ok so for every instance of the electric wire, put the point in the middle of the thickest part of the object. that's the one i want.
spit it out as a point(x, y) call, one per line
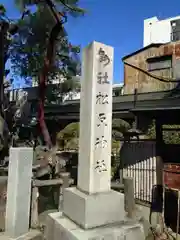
point(161, 79)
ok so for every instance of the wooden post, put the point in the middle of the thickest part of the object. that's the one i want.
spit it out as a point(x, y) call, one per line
point(159, 161)
point(121, 175)
point(34, 208)
point(129, 201)
point(121, 166)
point(65, 177)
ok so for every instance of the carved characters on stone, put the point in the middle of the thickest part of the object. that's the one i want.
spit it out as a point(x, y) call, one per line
point(100, 166)
point(102, 99)
point(103, 57)
point(101, 142)
point(102, 78)
point(102, 120)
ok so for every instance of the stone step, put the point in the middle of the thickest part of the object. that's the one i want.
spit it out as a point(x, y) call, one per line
point(31, 235)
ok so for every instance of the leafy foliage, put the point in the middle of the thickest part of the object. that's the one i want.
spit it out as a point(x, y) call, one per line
point(120, 125)
point(27, 43)
point(2, 10)
point(151, 132)
point(116, 134)
point(73, 144)
point(169, 137)
point(68, 137)
point(28, 48)
point(68, 6)
point(69, 132)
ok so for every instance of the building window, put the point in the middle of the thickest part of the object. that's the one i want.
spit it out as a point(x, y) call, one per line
point(175, 30)
point(159, 63)
point(175, 36)
point(117, 92)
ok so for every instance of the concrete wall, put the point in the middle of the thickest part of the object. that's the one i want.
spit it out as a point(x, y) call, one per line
point(136, 79)
point(156, 31)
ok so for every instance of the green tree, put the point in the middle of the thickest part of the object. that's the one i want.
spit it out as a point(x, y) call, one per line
point(119, 125)
point(41, 48)
point(68, 137)
point(38, 47)
point(169, 137)
point(6, 29)
point(28, 48)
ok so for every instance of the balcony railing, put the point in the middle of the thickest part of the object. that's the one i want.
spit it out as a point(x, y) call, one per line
point(32, 92)
point(16, 94)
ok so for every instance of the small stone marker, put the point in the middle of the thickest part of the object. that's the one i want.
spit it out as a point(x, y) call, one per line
point(19, 191)
point(94, 170)
point(129, 201)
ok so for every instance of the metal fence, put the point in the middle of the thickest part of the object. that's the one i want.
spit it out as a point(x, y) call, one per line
point(144, 175)
point(139, 164)
point(138, 160)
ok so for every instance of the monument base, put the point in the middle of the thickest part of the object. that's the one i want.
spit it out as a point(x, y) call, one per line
point(61, 227)
point(31, 235)
point(93, 210)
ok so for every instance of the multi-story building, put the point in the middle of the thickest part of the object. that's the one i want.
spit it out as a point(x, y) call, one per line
point(161, 31)
point(160, 56)
point(161, 60)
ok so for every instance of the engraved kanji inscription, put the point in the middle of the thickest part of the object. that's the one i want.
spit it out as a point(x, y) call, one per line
point(102, 98)
point(100, 166)
point(101, 142)
point(102, 78)
point(103, 57)
point(102, 120)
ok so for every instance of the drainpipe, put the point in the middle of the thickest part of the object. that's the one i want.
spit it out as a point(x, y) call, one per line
point(135, 101)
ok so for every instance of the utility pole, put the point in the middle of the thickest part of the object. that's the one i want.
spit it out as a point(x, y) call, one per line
point(3, 38)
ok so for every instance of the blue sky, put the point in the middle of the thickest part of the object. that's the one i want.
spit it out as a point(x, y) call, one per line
point(114, 22)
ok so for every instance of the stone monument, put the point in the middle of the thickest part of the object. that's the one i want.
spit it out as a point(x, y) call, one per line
point(92, 210)
point(19, 196)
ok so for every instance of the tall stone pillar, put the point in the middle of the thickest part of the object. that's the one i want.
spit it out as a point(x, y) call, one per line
point(91, 209)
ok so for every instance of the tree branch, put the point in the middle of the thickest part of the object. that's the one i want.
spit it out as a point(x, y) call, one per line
point(45, 70)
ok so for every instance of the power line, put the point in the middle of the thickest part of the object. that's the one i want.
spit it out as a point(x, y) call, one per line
point(161, 79)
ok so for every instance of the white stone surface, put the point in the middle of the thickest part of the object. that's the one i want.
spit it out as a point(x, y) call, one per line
point(63, 228)
point(93, 210)
point(31, 235)
point(19, 191)
point(94, 170)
